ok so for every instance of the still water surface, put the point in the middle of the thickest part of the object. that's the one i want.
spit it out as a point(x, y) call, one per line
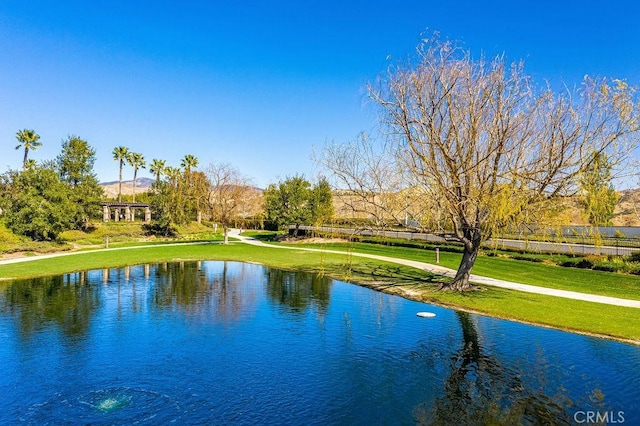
point(235, 343)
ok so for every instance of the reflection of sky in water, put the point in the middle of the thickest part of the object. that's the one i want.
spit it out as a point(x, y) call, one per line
point(582, 364)
point(232, 342)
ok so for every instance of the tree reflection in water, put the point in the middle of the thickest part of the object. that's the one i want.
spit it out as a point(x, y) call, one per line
point(213, 292)
point(70, 301)
point(298, 291)
point(67, 301)
point(480, 391)
point(179, 284)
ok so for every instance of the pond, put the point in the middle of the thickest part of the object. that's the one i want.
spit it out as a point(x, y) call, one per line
point(237, 343)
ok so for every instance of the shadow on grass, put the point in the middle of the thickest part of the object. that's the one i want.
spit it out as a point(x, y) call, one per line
point(422, 286)
point(263, 236)
point(387, 276)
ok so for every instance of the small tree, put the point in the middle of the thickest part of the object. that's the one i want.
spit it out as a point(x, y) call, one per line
point(322, 202)
point(598, 197)
point(75, 166)
point(171, 202)
point(289, 202)
point(76, 160)
point(38, 204)
point(166, 215)
point(228, 188)
point(197, 194)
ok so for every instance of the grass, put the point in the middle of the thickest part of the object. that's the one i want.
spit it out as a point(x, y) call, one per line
point(525, 272)
point(584, 317)
point(629, 264)
point(117, 233)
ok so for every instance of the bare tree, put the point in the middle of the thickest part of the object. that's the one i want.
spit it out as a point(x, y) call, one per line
point(226, 194)
point(489, 150)
point(368, 185)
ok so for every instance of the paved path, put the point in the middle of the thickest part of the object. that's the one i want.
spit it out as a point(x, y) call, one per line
point(72, 253)
point(440, 270)
point(435, 269)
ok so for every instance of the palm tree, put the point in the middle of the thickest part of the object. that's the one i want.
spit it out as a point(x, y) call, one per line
point(158, 167)
point(28, 139)
point(188, 162)
point(173, 173)
point(120, 153)
point(137, 161)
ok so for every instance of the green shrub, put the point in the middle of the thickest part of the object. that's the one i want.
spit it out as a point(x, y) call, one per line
point(8, 237)
point(577, 263)
point(160, 229)
point(607, 267)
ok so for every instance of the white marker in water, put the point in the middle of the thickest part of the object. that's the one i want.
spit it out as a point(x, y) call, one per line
point(426, 314)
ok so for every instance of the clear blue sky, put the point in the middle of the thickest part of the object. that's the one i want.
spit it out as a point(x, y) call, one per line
point(260, 83)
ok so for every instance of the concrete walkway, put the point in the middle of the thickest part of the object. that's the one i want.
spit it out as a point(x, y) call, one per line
point(73, 253)
point(440, 270)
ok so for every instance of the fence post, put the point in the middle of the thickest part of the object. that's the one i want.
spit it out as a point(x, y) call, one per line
point(437, 254)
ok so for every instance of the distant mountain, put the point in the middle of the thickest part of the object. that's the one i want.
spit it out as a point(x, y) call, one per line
point(142, 182)
point(627, 211)
point(111, 188)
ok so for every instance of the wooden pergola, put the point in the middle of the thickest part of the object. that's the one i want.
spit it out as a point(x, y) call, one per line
point(124, 211)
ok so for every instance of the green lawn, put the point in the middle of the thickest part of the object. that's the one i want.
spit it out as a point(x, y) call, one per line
point(540, 274)
point(585, 317)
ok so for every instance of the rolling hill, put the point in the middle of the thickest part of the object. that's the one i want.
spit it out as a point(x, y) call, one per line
point(111, 188)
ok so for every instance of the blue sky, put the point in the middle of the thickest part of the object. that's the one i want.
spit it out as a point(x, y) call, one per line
point(259, 84)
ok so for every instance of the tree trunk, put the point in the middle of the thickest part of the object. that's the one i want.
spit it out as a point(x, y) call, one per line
point(26, 155)
point(471, 248)
point(120, 183)
point(461, 281)
point(226, 235)
point(135, 175)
